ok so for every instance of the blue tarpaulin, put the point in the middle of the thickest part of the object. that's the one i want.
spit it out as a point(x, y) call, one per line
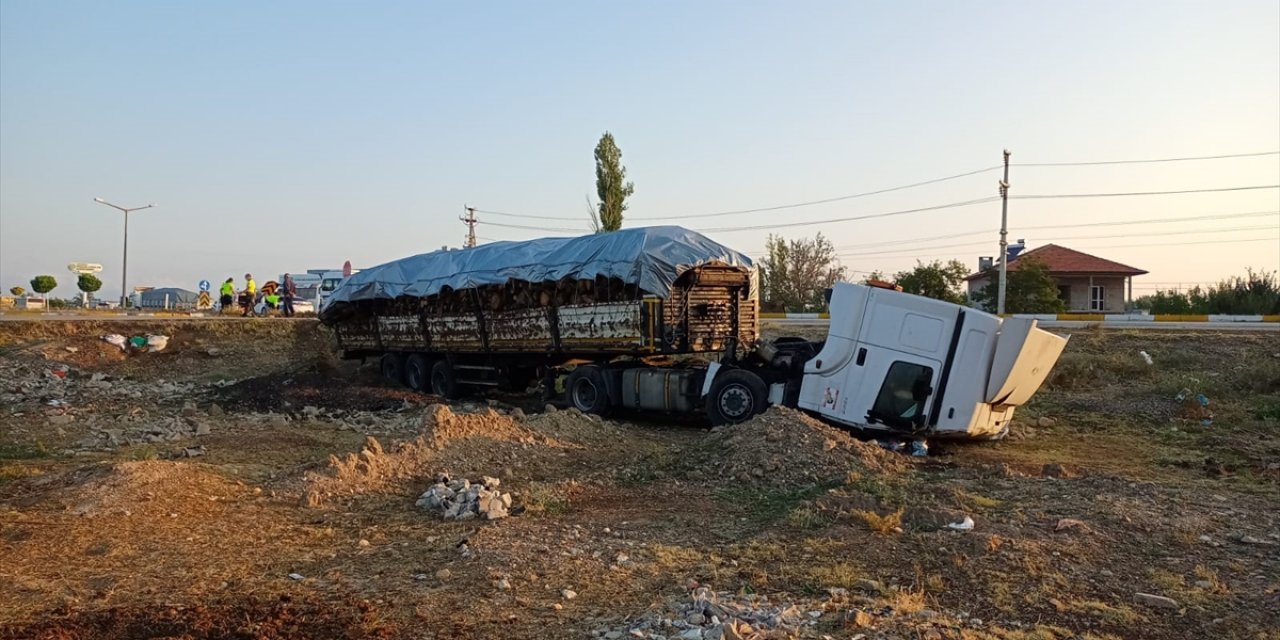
point(648, 257)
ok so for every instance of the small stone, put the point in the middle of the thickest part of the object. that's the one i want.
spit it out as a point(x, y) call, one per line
point(1044, 422)
point(364, 543)
point(1204, 584)
point(518, 415)
point(869, 586)
point(203, 429)
point(311, 411)
point(503, 584)
point(696, 619)
point(1152, 600)
point(557, 606)
point(444, 574)
point(215, 410)
point(61, 419)
point(550, 408)
point(691, 634)
point(613, 635)
point(568, 594)
point(296, 576)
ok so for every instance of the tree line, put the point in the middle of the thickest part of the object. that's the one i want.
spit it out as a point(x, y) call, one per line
point(796, 273)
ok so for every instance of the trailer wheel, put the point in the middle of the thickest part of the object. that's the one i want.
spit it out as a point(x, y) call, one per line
point(393, 368)
point(587, 391)
point(736, 395)
point(444, 382)
point(417, 372)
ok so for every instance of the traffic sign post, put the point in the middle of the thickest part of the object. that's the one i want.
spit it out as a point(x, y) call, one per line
point(204, 301)
point(204, 285)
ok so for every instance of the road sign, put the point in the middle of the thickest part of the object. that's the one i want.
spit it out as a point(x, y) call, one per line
point(204, 302)
point(204, 285)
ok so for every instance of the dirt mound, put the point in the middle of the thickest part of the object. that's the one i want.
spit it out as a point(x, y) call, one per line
point(485, 442)
point(141, 486)
point(235, 620)
point(785, 447)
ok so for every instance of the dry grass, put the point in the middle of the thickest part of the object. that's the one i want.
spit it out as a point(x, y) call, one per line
point(884, 525)
point(840, 574)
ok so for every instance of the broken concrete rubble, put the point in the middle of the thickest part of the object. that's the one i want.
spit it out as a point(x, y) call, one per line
point(463, 500)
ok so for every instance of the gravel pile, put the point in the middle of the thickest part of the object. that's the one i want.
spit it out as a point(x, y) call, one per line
point(711, 615)
point(785, 447)
point(464, 500)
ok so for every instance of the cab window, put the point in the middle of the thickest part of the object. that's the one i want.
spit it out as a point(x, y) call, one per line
point(329, 284)
point(900, 402)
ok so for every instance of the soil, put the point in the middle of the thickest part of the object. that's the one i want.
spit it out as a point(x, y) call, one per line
point(244, 484)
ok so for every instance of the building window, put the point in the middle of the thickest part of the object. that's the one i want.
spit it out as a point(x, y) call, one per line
point(1097, 298)
point(1064, 293)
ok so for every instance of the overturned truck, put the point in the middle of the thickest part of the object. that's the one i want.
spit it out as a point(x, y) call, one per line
point(664, 319)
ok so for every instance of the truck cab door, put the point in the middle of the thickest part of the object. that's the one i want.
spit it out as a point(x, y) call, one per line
point(896, 391)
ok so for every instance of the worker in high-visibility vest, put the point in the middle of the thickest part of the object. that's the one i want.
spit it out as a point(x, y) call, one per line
point(250, 294)
point(227, 294)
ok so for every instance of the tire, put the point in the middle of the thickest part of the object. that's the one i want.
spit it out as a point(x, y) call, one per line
point(586, 390)
point(444, 382)
point(417, 372)
point(736, 395)
point(392, 365)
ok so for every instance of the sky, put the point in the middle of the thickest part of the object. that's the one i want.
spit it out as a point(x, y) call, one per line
point(286, 136)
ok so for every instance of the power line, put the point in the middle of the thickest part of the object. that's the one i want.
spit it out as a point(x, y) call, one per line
point(528, 228)
point(1106, 162)
point(823, 201)
point(1251, 214)
point(526, 215)
point(950, 205)
point(1117, 246)
point(1143, 193)
point(1058, 238)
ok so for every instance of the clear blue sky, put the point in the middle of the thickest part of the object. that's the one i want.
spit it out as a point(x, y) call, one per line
point(283, 136)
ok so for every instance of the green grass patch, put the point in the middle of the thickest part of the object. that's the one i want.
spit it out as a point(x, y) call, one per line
point(767, 505)
point(24, 451)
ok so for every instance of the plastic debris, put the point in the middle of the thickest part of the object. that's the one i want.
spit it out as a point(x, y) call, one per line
point(919, 448)
point(117, 340)
point(892, 445)
point(964, 525)
point(157, 343)
point(296, 576)
point(1206, 416)
point(1146, 357)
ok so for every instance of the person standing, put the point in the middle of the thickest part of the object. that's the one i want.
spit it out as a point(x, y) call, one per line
point(250, 294)
point(227, 294)
point(288, 291)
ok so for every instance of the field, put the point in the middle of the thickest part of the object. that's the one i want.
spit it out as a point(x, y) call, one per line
point(245, 483)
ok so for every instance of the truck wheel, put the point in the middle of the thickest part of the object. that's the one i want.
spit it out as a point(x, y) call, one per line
point(587, 391)
point(393, 368)
point(417, 372)
point(444, 382)
point(736, 395)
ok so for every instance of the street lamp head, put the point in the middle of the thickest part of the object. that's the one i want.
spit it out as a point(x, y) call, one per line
point(99, 200)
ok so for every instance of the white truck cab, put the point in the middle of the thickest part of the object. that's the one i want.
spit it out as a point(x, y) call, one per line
point(900, 362)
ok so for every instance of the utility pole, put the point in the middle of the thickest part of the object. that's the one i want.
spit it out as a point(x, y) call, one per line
point(1004, 235)
point(470, 221)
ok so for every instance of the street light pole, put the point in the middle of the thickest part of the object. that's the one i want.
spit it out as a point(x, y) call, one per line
point(124, 268)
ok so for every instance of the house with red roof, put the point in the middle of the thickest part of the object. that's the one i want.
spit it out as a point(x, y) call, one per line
point(1086, 283)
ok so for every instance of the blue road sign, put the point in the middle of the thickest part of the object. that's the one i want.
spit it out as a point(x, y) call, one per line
point(204, 285)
